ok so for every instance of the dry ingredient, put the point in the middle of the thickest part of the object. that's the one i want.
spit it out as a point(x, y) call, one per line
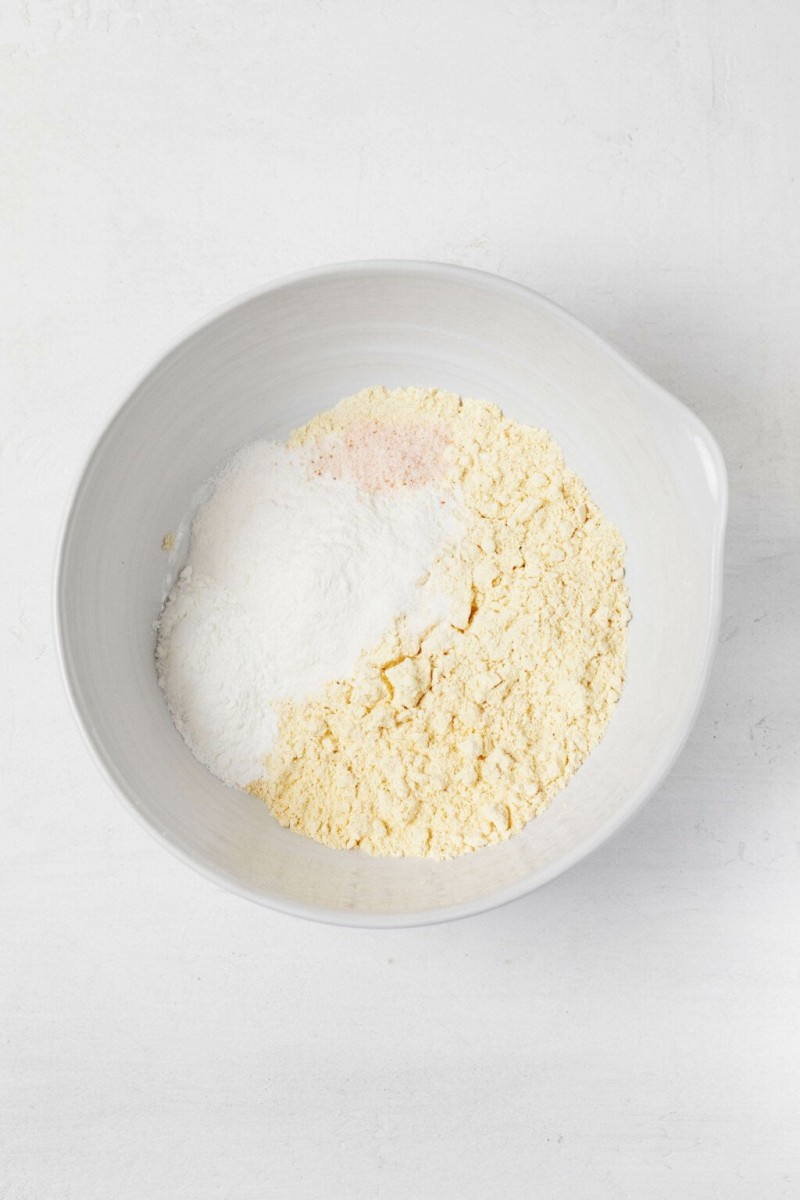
point(290, 574)
point(404, 631)
point(449, 737)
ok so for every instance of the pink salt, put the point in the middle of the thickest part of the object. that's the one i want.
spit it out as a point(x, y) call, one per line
point(383, 454)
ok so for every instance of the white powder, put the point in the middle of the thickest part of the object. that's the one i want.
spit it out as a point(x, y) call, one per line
point(289, 577)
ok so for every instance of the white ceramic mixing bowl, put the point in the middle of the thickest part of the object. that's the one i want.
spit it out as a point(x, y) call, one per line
point(267, 363)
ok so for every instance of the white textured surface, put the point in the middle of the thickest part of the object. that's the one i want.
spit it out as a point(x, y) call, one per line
point(628, 1031)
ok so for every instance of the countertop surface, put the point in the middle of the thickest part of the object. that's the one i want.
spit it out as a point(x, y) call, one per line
point(628, 1031)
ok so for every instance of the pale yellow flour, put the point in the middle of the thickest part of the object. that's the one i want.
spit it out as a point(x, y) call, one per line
point(441, 744)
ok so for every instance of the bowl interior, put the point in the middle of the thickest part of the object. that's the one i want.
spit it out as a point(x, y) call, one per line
point(269, 363)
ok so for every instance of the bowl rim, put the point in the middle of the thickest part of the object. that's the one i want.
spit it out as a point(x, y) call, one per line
point(657, 775)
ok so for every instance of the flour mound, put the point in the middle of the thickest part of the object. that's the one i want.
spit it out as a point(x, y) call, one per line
point(289, 576)
point(445, 739)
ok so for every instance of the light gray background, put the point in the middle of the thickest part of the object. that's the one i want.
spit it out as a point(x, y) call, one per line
point(629, 1031)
